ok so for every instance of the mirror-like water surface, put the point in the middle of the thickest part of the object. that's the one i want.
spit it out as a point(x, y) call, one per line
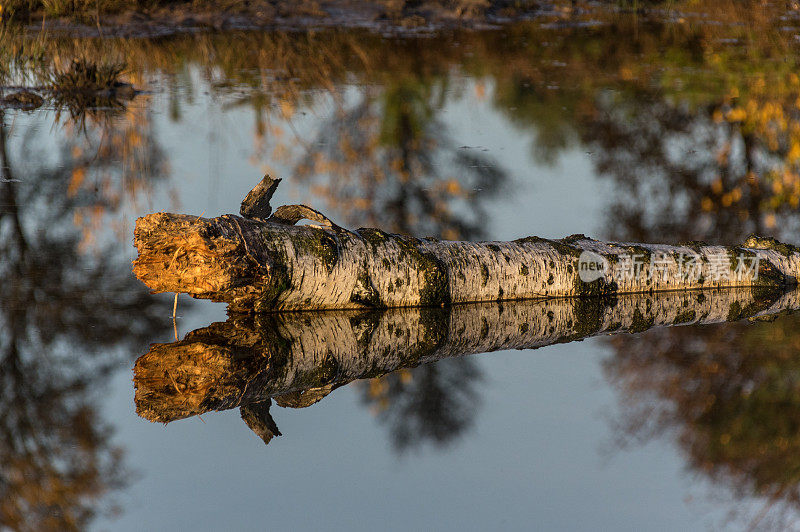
point(668, 127)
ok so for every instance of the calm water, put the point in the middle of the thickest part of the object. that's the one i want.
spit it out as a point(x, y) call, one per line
point(661, 129)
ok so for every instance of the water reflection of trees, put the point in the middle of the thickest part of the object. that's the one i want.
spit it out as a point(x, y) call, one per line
point(700, 139)
point(716, 169)
point(695, 174)
point(680, 176)
point(728, 396)
point(394, 165)
point(69, 319)
point(688, 121)
point(432, 403)
point(389, 165)
point(388, 162)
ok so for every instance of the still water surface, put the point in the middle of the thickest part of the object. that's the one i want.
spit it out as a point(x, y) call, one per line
point(617, 126)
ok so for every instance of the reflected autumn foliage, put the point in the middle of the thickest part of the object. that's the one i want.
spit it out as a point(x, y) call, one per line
point(70, 315)
point(729, 397)
point(393, 166)
point(387, 161)
point(695, 175)
point(698, 135)
point(696, 125)
point(384, 157)
point(712, 165)
point(386, 168)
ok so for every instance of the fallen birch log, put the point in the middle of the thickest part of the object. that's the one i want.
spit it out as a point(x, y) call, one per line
point(265, 264)
point(296, 359)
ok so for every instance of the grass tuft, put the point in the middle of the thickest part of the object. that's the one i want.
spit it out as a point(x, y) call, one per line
point(22, 9)
point(89, 90)
point(86, 76)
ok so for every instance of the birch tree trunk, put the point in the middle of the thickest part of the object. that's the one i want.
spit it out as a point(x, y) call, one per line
point(258, 265)
point(298, 358)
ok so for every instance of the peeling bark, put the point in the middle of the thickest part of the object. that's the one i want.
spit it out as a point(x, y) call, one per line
point(256, 265)
point(298, 358)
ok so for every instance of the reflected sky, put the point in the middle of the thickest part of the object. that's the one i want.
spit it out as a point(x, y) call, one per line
point(500, 134)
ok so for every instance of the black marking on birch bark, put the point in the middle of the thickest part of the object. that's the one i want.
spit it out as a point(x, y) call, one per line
point(597, 288)
point(435, 325)
point(588, 317)
point(435, 290)
point(739, 311)
point(277, 284)
point(641, 322)
point(374, 237)
point(363, 326)
point(563, 247)
point(268, 278)
point(256, 204)
point(319, 243)
point(685, 317)
point(365, 293)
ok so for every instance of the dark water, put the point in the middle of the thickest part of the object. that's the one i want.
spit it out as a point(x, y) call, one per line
point(663, 128)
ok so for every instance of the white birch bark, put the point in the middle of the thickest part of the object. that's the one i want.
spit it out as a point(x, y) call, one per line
point(257, 265)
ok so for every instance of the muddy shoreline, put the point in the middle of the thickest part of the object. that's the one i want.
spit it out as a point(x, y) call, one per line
point(382, 17)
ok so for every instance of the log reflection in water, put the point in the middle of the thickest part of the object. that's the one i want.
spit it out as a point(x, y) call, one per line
point(298, 358)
